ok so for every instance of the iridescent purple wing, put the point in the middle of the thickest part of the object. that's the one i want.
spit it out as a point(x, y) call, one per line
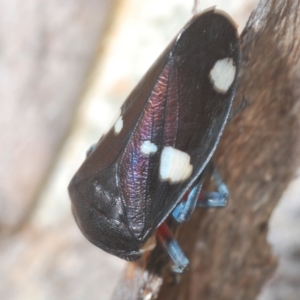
point(167, 132)
point(185, 114)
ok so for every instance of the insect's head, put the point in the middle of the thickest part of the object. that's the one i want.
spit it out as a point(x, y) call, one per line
point(99, 213)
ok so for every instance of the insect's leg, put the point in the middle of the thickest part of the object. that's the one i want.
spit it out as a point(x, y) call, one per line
point(215, 199)
point(170, 244)
point(184, 209)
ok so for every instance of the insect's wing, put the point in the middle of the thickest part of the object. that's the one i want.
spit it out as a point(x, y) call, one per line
point(167, 132)
point(186, 111)
point(107, 215)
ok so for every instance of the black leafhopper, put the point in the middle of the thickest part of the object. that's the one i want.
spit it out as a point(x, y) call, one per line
point(151, 164)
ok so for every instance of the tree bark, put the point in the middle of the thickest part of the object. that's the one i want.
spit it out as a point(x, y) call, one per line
point(258, 158)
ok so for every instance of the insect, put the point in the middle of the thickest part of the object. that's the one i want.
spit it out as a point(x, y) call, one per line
point(151, 164)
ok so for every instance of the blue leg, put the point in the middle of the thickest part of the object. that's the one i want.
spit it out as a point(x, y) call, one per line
point(184, 210)
point(170, 244)
point(215, 199)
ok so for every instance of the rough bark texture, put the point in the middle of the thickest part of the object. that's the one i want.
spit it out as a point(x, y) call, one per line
point(258, 157)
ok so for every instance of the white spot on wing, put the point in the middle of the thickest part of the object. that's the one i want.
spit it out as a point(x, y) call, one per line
point(148, 148)
point(222, 75)
point(118, 125)
point(174, 165)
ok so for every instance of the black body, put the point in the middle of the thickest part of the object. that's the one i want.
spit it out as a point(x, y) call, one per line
point(118, 197)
